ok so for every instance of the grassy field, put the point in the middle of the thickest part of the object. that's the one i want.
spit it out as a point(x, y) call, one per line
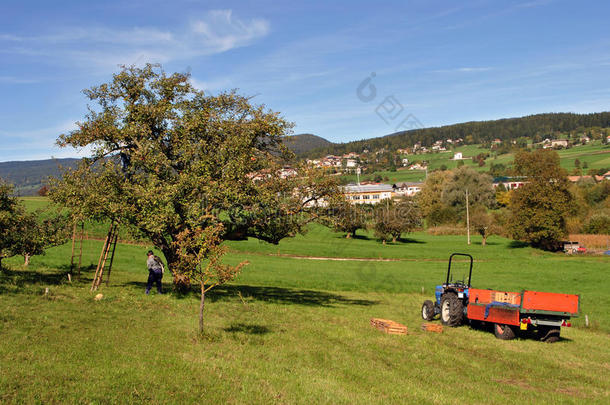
point(294, 328)
point(594, 154)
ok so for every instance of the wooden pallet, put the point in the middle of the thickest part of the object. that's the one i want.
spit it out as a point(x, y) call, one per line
point(432, 327)
point(388, 326)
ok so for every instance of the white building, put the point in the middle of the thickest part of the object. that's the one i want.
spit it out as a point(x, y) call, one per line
point(351, 163)
point(407, 189)
point(367, 194)
point(458, 156)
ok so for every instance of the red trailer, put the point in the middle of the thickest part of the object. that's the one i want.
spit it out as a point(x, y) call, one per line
point(508, 312)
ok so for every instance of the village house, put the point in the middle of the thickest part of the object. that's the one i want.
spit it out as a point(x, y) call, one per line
point(438, 146)
point(286, 172)
point(509, 183)
point(367, 193)
point(417, 166)
point(554, 143)
point(576, 179)
point(457, 156)
point(351, 163)
point(408, 189)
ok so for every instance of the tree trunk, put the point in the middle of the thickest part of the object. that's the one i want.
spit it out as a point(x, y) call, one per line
point(484, 240)
point(26, 260)
point(349, 235)
point(393, 239)
point(182, 282)
point(201, 306)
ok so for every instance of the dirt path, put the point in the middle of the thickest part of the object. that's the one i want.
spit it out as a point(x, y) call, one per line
point(353, 259)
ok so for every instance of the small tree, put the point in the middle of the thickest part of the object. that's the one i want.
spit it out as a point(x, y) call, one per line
point(479, 186)
point(346, 217)
point(24, 233)
point(34, 235)
point(200, 252)
point(395, 218)
point(9, 212)
point(483, 223)
point(430, 195)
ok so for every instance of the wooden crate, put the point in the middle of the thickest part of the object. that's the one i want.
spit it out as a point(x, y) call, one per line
point(507, 297)
point(388, 326)
point(432, 327)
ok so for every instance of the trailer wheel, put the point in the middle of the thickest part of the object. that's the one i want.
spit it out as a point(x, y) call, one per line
point(549, 334)
point(452, 310)
point(504, 332)
point(427, 310)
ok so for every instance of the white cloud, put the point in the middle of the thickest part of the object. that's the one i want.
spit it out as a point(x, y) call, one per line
point(102, 46)
point(17, 80)
point(38, 143)
point(222, 83)
point(41, 133)
point(468, 69)
point(220, 31)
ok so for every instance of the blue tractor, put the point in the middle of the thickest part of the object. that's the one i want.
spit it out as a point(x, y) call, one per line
point(451, 298)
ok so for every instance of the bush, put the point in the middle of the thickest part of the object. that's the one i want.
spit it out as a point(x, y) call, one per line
point(574, 225)
point(441, 215)
point(598, 224)
point(447, 230)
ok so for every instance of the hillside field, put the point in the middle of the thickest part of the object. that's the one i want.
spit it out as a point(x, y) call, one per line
point(595, 154)
point(294, 328)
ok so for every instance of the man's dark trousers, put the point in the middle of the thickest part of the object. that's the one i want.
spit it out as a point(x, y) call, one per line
point(154, 277)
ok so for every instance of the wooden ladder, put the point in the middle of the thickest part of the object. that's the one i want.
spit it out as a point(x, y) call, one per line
point(109, 245)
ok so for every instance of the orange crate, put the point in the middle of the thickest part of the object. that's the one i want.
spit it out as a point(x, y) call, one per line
point(388, 326)
point(432, 327)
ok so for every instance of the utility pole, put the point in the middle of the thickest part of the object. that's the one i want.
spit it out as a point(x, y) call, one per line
point(467, 218)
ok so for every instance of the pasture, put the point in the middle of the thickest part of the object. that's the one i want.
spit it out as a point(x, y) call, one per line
point(294, 328)
point(595, 155)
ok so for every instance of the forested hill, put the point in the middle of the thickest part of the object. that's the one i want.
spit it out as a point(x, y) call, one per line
point(536, 127)
point(29, 176)
point(303, 143)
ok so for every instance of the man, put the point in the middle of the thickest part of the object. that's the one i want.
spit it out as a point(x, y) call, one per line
point(155, 272)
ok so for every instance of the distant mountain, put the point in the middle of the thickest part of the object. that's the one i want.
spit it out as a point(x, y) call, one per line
point(29, 176)
point(303, 143)
point(535, 127)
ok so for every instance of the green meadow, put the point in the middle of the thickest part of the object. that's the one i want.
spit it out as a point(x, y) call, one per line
point(294, 328)
point(595, 155)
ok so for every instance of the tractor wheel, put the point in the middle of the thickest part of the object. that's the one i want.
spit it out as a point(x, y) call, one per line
point(452, 310)
point(504, 332)
point(427, 310)
point(549, 334)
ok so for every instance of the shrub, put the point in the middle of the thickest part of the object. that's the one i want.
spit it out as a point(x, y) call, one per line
point(447, 230)
point(598, 224)
point(440, 214)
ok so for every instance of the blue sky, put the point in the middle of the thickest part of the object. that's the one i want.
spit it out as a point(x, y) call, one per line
point(430, 63)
